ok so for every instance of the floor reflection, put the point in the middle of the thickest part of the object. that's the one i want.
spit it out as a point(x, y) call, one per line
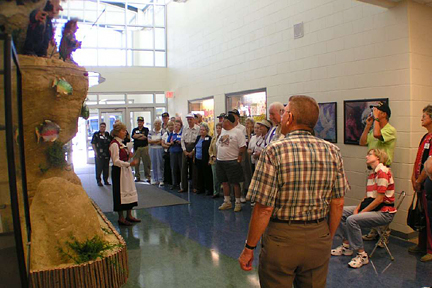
point(197, 245)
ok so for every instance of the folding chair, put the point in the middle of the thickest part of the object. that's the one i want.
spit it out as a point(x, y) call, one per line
point(381, 230)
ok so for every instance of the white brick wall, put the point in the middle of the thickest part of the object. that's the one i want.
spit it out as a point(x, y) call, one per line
point(350, 50)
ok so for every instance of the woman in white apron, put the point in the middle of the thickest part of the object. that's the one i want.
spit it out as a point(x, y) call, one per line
point(124, 191)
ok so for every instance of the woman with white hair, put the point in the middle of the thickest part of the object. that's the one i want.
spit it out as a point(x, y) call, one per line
point(156, 153)
point(124, 191)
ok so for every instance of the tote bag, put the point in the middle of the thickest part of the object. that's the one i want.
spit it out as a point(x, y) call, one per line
point(416, 217)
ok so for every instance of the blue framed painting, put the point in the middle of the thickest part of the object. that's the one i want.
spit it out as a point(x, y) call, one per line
point(326, 127)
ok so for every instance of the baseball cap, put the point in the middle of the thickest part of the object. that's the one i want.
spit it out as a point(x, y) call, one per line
point(222, 115)
point(265, 123)
point(234, 111)
point(230, 117)
point(165, 114)
point(382, 106)
point(189, 116)
point(140, 118)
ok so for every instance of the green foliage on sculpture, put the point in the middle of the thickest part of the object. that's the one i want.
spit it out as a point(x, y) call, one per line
point(63, 88)
point(85, 251)
point(85, 112)
point(55, 154)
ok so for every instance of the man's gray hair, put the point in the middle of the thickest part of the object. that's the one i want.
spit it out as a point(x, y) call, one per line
point(277, 105)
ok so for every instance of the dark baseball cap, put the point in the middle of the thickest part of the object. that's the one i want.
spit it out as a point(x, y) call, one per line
point(222, 115)
point(165, 114)
point(382, 106)
point(230, 117)
point(234, 111)
point(140, 118)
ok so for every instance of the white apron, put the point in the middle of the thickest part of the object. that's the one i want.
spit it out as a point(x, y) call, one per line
point(128, 192)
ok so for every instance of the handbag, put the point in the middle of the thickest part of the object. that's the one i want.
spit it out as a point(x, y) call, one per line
point(416, 217)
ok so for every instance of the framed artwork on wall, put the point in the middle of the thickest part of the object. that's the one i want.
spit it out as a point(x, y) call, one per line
point(355, 114)
point(326, 127)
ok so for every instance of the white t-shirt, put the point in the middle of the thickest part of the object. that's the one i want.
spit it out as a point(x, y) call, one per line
point(242, 128)
point(164, 139)
point(155, 135)
point(229, 144)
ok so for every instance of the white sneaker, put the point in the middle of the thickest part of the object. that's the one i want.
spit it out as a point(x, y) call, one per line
point(342, 250)
point(161, 184)
point(225, 206)
point(237, 207)
point(358, 261)
point(242, 199)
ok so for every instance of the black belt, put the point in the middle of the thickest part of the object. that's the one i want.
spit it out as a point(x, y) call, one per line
point(297, 221)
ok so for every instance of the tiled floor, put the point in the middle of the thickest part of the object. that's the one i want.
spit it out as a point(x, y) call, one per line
point(197, 245)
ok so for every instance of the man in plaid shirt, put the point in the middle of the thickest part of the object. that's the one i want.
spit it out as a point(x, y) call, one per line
point(298, 183)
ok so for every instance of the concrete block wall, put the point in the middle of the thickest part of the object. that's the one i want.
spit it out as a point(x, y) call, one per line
point(131, 79)
point(350, 50)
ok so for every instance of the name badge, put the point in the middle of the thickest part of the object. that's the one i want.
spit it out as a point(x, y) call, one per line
point(427, 146)
point(206, 138)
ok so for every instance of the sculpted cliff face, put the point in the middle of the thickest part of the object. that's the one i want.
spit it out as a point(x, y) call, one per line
point(40, 103)
point(60, 209)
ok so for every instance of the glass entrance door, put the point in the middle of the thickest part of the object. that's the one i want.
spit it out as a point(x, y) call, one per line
point(109, 116)
point(147, 113)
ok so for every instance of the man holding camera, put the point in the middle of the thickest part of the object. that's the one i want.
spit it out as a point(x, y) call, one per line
point(381, 136)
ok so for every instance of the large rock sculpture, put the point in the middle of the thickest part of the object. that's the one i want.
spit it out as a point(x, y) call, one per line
point(60, 210)
point(40, 103)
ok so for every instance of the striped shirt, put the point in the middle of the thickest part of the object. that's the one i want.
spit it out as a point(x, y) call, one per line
point(381, 181)
point(299, 176)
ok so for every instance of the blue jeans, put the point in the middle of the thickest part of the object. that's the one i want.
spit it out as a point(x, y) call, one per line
point(156, 156)
point(350, 225)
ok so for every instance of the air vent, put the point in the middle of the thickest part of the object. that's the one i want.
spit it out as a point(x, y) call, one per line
point(298, 30)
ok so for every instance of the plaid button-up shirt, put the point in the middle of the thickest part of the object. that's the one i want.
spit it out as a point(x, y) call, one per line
point(299, 176)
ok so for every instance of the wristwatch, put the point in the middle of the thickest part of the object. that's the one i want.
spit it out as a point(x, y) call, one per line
point(249, 247)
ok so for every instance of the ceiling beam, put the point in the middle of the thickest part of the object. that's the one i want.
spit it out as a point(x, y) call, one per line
point(381, 3)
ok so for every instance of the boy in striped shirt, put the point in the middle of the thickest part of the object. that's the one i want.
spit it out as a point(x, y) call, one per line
point(376, 209)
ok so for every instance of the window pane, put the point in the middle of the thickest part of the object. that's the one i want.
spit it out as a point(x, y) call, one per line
point(160, 98)
point(113, 15)
point(160, 59)
point(87, 35)
point(140, 38)
point(85, 57)
point(112, 57)
point(160, 110)
point(142, 14)
point(112, 36)
point(79, 14)
point(90, 16)
point(112, 99)
point(159, 38)
point(160, 15)
point(140, 98)
point(77, 5)
point(140, 58)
